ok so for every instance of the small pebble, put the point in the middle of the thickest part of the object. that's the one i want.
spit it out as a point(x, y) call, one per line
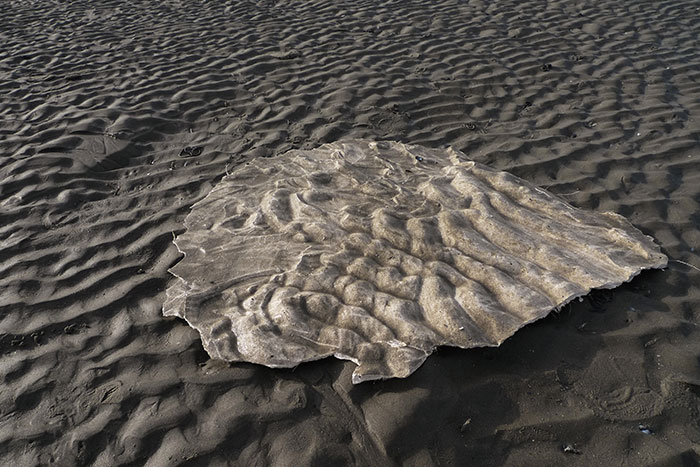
point(570, 449)
point(645, 429)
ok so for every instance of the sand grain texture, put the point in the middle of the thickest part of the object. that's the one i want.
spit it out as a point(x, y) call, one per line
point(378, 252)
point(598, 102)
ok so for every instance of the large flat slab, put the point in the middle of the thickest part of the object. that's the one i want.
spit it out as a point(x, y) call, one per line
point(378, 252)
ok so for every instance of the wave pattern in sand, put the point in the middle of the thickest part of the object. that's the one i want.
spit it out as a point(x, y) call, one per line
point(99, 99)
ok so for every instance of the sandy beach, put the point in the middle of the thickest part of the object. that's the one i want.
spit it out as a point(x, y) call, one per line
point(116, 117)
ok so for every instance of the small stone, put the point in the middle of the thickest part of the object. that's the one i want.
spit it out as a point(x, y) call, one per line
point(645, 429)
point(570, 449)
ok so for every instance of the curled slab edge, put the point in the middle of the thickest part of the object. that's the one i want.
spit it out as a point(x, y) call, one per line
point(378, 252)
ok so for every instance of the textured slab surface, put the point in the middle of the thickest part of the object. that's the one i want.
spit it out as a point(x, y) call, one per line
point(379, 252)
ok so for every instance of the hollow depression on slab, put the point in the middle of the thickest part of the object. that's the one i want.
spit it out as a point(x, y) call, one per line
point(378, 252)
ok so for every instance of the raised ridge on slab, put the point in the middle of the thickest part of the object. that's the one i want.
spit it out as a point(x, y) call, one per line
point(378, 252)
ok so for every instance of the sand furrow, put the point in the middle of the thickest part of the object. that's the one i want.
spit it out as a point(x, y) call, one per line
point(596, 100)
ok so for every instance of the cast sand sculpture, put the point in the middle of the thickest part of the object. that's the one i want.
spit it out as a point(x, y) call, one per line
point(377, 252)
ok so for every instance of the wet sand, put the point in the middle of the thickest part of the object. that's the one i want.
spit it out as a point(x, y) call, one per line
point(116, 117)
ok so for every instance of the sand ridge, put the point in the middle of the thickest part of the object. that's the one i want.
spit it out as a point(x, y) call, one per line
point(99, 99)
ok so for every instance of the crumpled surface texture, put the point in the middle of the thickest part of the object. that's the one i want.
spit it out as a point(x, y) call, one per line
point(378, 252)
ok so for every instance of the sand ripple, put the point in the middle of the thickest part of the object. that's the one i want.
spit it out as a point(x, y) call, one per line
point(99, 99)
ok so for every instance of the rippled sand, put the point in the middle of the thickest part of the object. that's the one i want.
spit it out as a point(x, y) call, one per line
point(116, 117)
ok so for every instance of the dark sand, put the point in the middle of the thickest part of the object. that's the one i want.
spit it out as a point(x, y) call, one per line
point(597, 101)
